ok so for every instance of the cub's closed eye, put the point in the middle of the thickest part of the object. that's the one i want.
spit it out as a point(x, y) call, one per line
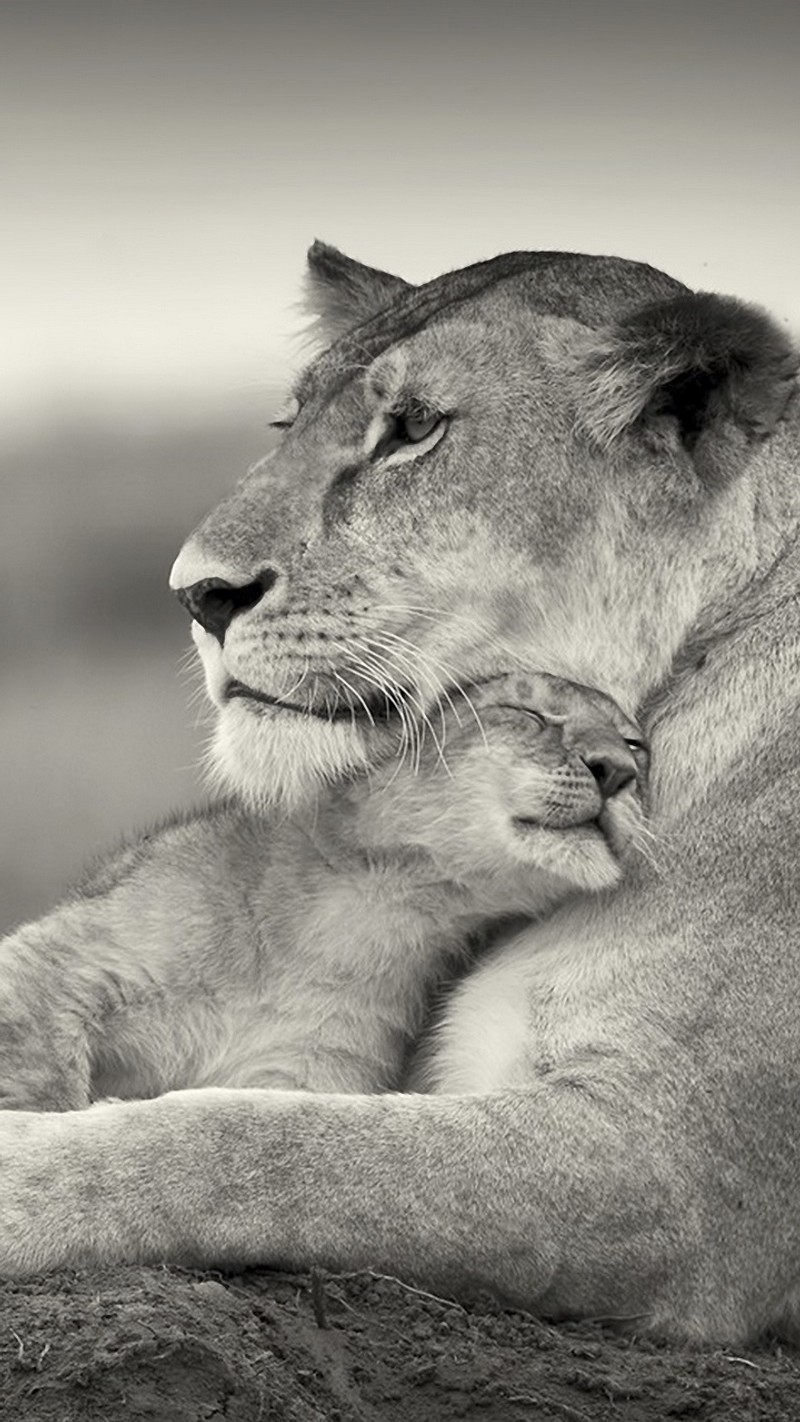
point(536, 716)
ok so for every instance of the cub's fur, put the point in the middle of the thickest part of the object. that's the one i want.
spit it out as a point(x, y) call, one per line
point(546, 460)
point(302, 951)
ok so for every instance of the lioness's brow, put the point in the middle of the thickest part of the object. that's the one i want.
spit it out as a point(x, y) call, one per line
point(302, 387)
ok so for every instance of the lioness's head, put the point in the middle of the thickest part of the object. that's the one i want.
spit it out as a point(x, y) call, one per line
point(545, 457)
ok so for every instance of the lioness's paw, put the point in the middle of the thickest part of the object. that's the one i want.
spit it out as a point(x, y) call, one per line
point(20, 1191)
point(39, 1201)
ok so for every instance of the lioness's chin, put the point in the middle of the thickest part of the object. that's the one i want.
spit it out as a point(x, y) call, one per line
point(281, 759)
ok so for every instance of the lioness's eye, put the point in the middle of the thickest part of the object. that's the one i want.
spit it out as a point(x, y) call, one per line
point(417, 425)
point(414, 421)
point(634, 744)
point(406, 429)
point(286, 415)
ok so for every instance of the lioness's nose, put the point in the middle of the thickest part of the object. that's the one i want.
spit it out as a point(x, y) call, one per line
point(612, 764)
point(214, 602)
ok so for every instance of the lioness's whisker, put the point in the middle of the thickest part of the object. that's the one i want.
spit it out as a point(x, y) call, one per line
point(418, 702)
point(449, 674)
point(415, 658)
point(411, 728)
point(187, 661)
point(286, 695)
point(353, 692)
point(387, 691)
point(454, 684)
point(441, 689)
point(412, 665)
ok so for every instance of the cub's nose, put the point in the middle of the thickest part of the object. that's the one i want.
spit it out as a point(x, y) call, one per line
point(612, 764)
point(214, 602)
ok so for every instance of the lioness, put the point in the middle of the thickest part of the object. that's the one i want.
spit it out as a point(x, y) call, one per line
point(575, 462)
point(302, 950)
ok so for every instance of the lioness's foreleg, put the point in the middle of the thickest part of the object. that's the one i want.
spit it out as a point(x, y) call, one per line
point(539, 1195)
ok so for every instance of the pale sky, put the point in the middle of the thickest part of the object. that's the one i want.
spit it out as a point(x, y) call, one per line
point(167, 164)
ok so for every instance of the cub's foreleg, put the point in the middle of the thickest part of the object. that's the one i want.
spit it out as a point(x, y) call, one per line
point(119, 990)
point(51, 990)
point(86, 1010)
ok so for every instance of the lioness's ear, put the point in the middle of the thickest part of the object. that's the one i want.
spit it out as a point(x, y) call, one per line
point(342, 293)
point(720, 371)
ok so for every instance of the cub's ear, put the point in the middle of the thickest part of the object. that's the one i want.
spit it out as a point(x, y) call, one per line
point(714, 372)
point(342, 293)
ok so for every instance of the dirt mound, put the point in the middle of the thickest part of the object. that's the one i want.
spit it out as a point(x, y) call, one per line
point(169, 1345)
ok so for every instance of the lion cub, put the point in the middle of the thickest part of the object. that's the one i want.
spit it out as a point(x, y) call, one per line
point(228, 950)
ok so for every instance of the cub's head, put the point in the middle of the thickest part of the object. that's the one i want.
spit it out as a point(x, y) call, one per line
point(536, 786)
point(545, 459)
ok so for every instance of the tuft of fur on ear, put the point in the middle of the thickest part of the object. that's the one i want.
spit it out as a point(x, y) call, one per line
point(709, 362)
point(341, 293)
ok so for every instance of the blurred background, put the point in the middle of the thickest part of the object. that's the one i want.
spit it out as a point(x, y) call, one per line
point(165, 166)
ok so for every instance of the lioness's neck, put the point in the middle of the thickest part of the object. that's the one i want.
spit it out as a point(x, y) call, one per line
point(732, 688)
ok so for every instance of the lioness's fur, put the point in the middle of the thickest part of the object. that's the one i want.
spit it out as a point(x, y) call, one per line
point(303, 950)
point(576, 462)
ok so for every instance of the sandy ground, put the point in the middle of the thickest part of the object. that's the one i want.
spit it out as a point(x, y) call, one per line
point(174, 1346)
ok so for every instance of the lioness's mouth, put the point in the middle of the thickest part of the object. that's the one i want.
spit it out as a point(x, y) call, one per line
point(376, 707)
point(370, 709)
